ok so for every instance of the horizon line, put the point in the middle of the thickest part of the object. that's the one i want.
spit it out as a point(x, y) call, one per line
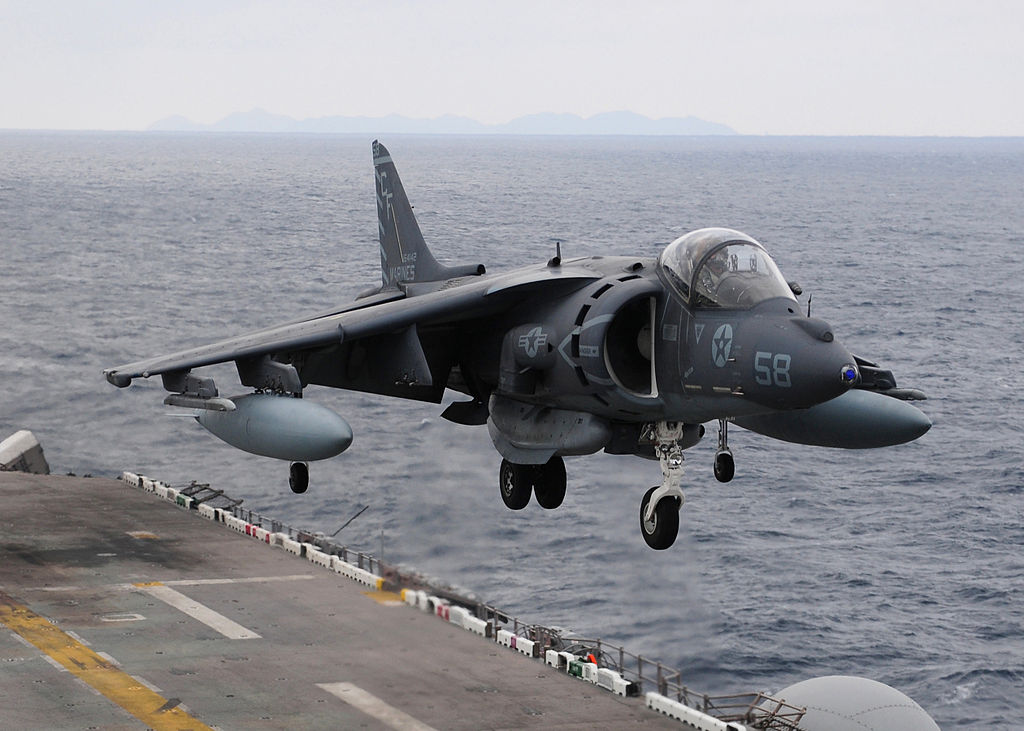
point(309, 133)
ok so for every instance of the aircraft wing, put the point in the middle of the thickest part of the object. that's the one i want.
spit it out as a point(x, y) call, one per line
point(383, 314)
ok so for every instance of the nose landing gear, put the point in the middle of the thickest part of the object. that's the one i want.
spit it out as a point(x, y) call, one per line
point(660, 529)
point(659, 510)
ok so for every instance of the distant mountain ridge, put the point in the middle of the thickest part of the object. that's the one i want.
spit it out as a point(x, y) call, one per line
point(548, 123)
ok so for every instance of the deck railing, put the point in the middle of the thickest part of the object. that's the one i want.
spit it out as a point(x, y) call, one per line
point(756, 710)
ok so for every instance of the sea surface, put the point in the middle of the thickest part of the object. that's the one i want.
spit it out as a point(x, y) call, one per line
point(904, 564)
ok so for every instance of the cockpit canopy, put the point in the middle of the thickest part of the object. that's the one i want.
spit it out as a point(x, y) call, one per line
point(719, 267)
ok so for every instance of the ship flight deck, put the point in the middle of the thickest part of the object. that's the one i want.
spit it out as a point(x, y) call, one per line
point(121, 612)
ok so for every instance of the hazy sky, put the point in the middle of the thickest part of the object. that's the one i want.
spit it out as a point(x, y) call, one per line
point(772, 67)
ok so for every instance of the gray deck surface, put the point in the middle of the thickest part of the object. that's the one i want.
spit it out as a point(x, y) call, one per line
point(68, 555)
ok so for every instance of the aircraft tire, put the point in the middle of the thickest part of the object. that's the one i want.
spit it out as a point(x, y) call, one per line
point(516, 484)
point(298, 477)
point(660, 533)
point(725, 466)
point(549, 483)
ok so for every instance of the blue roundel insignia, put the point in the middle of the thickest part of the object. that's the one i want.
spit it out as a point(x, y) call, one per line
point(721, 344)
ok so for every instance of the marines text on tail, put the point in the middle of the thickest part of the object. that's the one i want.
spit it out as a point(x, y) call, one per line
point(630, 355)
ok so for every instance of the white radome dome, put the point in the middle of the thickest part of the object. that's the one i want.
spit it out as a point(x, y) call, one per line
point(847, 703)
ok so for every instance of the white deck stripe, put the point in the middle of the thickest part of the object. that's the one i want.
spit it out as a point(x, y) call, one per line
point(229, 628)
point(371, 705)
point(244, 580)
point(178, 582)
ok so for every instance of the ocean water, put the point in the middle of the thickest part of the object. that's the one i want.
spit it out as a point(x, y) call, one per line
point(904, 564)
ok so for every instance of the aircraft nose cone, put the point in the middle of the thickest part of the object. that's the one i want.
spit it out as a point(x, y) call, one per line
point(829, 371)
point(831, 367)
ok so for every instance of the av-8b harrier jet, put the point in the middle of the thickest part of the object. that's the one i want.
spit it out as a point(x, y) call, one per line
point(630, 355)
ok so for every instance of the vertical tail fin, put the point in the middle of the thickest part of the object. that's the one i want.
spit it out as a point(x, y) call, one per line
point(404, 256)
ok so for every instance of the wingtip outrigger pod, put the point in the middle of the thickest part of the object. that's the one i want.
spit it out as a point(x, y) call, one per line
point(404, 255)
point(116, 379)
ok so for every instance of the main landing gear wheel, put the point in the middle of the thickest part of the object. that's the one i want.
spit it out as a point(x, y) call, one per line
point(298, 477)
point(516, 484)
point(549, 483)
point(661, 530)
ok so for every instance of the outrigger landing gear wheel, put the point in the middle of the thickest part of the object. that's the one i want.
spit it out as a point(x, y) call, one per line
point(725, 466)
point(516, 484)
point(298, 477)
point(549, 483)
point(661, 529)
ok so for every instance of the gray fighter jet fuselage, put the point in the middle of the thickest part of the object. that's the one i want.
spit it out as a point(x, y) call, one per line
point(629, 355)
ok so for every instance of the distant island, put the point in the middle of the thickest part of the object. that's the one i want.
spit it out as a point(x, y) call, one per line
point(609, 123)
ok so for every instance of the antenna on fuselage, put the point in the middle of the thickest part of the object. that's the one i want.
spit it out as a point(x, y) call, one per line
point(557, 259)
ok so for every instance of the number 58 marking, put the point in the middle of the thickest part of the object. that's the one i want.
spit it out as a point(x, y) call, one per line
point(772, 368)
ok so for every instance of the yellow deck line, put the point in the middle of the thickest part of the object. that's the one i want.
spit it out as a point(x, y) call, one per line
point(387, 598)
point(83, 663)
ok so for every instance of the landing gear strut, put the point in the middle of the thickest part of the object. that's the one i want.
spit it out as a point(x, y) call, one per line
point(545, 481)
point(659, 510)
point(725, 465)
point(298, 477)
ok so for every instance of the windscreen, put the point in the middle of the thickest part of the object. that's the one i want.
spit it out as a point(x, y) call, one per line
point(738, 276)
point(722, 268)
